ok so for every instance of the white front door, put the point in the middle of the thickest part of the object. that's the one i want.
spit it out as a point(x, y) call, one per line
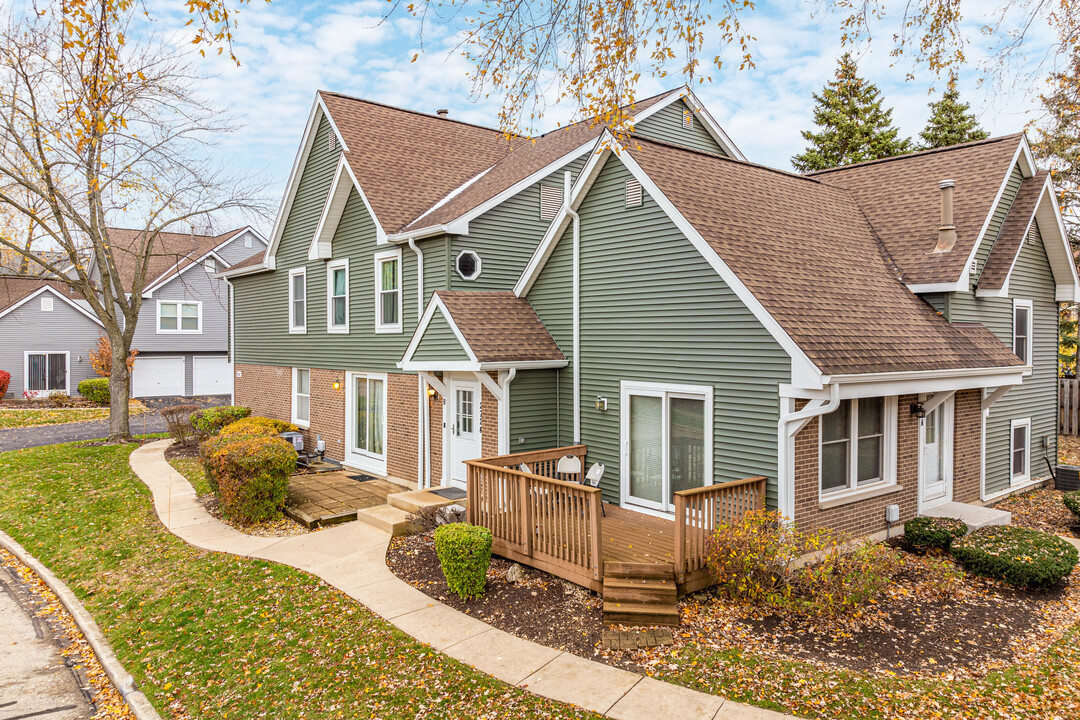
point(464, 427)
point(935, 455)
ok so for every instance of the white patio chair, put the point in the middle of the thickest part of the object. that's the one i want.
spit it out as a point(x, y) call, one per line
point(524, 468)
point(569, 465)
point(592, 479)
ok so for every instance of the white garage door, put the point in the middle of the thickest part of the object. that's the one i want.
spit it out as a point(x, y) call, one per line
point(213, 376)
point(157, 376)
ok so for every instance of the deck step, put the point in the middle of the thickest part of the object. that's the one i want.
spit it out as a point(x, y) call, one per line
point(635, 590)
point(641, 613)
point(658, 571)
point(413, 500)
point(386, 518)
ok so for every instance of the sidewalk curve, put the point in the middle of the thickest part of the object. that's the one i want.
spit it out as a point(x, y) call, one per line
point(352, 558)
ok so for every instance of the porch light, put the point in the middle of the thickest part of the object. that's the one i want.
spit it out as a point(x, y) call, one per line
point(918, 410)
point(601, 403)
point(431, 392)
point(337, 384)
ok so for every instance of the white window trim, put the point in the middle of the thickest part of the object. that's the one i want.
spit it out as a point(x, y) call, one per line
point(356, 457)
point(330, 268)
point(663, 390)
point(462, 275)
point(26, 371)
point(295, 420)
point(297, 329)
point(1029, 305)
point(380, 257)
point(178, 330)
point(888, 454)
point(1014, 479)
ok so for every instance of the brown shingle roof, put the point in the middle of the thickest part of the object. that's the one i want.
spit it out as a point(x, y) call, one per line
point(901, 200)
point(407, 161)
point(1011, 236)
point(170, 251)
point(14, 288)
point(499, 326)
point(806, 252)
point(525, 159)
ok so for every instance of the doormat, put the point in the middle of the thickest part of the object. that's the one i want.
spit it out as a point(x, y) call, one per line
point(362, 478)
point(450, 493)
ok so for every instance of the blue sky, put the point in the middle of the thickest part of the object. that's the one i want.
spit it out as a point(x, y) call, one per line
point(290, 48)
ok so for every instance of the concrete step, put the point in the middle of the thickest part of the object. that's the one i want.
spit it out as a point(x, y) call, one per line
point(641, 613)
point(386, 518)
point(975, 516)
point(639, 590)
point(639, 571)
point(413, 500)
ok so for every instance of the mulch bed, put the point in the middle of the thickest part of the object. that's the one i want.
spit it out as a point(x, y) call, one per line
point(1041, 509)
point(923, 626)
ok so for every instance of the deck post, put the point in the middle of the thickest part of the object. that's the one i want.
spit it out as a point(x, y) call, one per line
point(596, 537)
point(470, 493)
point(680, 538)
point(527, 529)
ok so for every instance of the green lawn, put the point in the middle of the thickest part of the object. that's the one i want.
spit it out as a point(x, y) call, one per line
point(214, 636)
point(192, 469)
point(36, 417)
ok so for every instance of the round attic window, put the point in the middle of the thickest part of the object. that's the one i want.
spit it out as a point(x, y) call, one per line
point(468, 265)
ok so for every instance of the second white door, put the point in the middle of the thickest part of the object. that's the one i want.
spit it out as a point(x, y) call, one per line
point(464, 427)
point(935, 455)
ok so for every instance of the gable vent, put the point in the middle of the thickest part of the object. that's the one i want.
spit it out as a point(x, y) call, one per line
point(550, 201)
point(46, 304)
point(333, 141)
point(688, 120)
point(633, 192)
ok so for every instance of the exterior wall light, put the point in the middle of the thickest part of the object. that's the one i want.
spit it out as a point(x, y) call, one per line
point(918, 410)
point(337, 384)
point(431, 392)
point(601, 403)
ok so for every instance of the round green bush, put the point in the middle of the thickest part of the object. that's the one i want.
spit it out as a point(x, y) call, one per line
point(95, 390)
point(1072, 501)
point(934, 532)
point(257, 426)
point(1019, 556)
point(464, 554)
point(211, 420)
point(250, 476)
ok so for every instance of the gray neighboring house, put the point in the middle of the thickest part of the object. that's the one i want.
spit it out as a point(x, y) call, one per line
point(48, 333)
point(182, 333)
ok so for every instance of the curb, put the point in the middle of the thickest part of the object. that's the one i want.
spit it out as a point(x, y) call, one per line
point(120, 678)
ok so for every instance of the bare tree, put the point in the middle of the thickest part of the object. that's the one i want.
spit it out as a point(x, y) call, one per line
point(96, 127)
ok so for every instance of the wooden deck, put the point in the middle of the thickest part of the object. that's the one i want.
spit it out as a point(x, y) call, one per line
point(630, 536)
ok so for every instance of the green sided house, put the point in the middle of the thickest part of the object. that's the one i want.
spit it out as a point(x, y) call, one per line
point(700, 334)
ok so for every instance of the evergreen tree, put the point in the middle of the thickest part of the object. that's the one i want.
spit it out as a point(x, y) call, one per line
point(853, 124)
point(951, 121)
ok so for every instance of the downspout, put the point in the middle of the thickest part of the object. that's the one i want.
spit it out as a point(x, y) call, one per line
point(504, 407)
point(576, 306)
point(422, 436)
point(785, 500)
point(232, 340)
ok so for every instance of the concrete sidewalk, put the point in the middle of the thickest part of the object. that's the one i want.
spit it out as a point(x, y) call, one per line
point(352, 558)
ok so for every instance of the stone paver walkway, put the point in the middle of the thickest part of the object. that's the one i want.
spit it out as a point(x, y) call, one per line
point(332, 497)
point(352, 558)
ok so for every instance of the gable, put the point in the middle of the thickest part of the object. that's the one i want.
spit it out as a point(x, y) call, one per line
point(307, 204)
point(439, 343)
point(993, 230)
point(666, 125)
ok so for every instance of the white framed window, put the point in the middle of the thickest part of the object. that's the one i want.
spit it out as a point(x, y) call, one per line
point(467, 265)
point(1022, 330)
point(365, 407)
point(301, 397)
point(1020, 450)
point(857, 446)
point(551, 199)
point(46, 303)
point(337, 296)
point(298, 300)
point(45, 372)
point(176, 316)
point(388, 291)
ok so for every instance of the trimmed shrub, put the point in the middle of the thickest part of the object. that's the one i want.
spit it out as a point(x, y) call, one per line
point(464, 554)
point(96, 390)
point(934, 532)
point(5, 380)
point(257, 427)
point(211, 420)
point(178, 419)
point(59, 398)
point(249, 475)
point(1072, 501)
point(1019, 556)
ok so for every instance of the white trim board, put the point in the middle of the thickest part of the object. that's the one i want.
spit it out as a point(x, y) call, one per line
point(172, 273)
point(53, 291)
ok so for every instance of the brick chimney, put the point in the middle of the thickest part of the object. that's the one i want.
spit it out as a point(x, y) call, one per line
point(947, 232)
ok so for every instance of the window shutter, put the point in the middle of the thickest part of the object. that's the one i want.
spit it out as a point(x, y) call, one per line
point(688, 120)
point(550, 201)
point(633, 193)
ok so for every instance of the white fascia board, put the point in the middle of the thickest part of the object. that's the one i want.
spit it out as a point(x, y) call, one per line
point(432, 366)
point(333, 125)
point(48, 288)
point(525, 364)
point(240, 272)
point(322, 243)
point(883, 384)
point(937, 287)
point(173, 273)
point(435, 305)
point(317, 111)
point(1058, 251)
point(240, 233)
point(707, 121)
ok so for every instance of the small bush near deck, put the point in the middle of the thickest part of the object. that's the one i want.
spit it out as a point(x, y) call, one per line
point(5, 380)
point(257, 426)
point(251, 477)
point(178, 419)
point(757, 560)
point(1072, 501)
point(96, 390)
point(211, 420)
point(934, 532)
point(1019, 556)
point(464, 554)
point(59, 398)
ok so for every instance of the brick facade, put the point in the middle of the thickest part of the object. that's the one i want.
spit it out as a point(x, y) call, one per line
point(402, 425)
point(867, 517)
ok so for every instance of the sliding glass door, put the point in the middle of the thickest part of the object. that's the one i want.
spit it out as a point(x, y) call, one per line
point(667, 440)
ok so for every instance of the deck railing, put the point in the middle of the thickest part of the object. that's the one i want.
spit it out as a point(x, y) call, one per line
point(535, 518)
point(697, 513)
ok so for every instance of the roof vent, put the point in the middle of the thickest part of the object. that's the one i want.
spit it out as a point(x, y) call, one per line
point(947, 231)
point(443, 113)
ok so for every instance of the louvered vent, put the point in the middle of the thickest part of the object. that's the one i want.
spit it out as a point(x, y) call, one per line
point(550, 201)
point(633, 193)
point(688, 119)
point(333, 141)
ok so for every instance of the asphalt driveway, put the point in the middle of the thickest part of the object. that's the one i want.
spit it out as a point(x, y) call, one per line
point(151, 422)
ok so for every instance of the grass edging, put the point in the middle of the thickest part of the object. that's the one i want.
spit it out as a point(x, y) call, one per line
point(121, 679)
